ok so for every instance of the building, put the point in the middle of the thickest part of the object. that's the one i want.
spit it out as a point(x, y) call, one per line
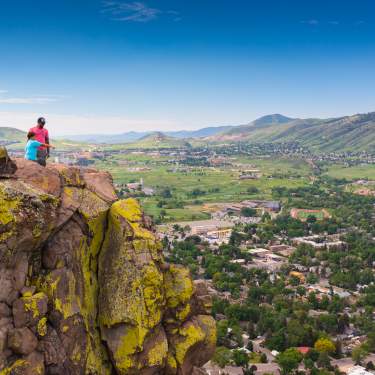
point(359, 370)
point(148, 191)
point(284, 250)
point(304, 349)
point(321, 242)
point(205, 226)
point(134, 186)
point(238, 261)
point(220, 235)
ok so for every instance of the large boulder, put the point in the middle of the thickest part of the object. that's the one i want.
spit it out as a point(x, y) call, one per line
point(84, 286)
point(22, 341)
point(7, 166)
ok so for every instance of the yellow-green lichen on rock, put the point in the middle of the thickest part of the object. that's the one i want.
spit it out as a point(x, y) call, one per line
point(131, 283)
point(15, 368)
point(76, 291)
point(8, 206)
point(158, 353)
point(179, 289)
point(34, 304)
point(193, 338)
point(132, 291)
point(42, 327)
point(190, 335)
point(130, 343)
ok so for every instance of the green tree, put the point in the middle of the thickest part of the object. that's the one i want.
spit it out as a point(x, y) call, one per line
point(248, 212)
point(359, 353)
point(222, 356)
point(252, 190)
point(166, 193)
point(289, 360)
point(240, 357)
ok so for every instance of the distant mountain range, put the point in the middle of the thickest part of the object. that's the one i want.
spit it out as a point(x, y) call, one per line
point(355, 132)
point(134, 136)
point(349, 133)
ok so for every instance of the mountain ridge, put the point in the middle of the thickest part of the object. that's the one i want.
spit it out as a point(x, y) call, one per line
point(346, 133)
point(355, 132)
point(133, 136)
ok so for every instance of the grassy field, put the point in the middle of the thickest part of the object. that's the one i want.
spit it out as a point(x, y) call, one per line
point(303, 215)
point(216, 184)
point(293, 167)
point(352, 173)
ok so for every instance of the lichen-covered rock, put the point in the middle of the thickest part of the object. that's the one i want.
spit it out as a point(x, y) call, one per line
point(131, 297)
point(22, 341)
point(191, 344)
point(7, 166)
point(33, 364)
point(27, 311)
point(84, 287)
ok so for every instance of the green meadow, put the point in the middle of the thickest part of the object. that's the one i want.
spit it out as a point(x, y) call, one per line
point(365, 171)
point(215, 185)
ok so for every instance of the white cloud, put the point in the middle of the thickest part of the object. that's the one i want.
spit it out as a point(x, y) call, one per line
point(31, 100)
point(35, 99)
point(134, 11)
point(130, 11)
point(311, 22)
point(60, 124)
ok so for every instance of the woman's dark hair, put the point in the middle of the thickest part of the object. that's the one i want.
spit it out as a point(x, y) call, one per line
point(30, 135)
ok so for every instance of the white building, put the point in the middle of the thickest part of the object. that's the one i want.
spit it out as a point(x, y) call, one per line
point(359, 370)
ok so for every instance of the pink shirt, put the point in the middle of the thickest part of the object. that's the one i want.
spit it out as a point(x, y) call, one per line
point(41, 134)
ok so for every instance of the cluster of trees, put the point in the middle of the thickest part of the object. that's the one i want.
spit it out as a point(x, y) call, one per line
point(278, 308)
point(286, 226)
point(350, 209)
point(348, 267)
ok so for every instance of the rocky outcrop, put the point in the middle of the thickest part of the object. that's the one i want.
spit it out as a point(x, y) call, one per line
point(84, 288)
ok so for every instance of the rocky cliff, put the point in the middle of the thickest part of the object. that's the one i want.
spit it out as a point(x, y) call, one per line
point(84, 288)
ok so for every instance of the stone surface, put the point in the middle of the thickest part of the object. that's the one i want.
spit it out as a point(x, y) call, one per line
point(27, 311)
point(84, 286)
point(22, 341)
point(44, 179)
point(7, 166)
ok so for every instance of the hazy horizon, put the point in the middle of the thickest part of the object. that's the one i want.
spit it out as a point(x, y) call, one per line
point(193, 128)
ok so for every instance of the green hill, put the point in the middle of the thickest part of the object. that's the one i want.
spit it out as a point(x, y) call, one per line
point(11, 135)
point(155, 140)
point(15, 139)
point(347, 133)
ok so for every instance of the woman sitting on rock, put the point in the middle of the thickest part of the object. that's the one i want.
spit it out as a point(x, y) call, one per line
point(32, 146)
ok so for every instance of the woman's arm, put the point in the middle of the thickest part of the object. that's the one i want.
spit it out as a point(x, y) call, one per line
point(47, 145)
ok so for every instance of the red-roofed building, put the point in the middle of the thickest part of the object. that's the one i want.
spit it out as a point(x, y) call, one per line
point(303, 349)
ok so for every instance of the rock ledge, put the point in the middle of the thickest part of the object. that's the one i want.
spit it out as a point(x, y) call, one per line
point(84, 286)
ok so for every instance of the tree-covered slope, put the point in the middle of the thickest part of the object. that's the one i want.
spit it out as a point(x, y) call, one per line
point(355, 132)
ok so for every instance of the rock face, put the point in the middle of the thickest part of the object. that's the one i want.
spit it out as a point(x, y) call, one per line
point(84, 288)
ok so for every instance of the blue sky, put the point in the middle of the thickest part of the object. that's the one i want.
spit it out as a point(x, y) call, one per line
point(112, 66)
